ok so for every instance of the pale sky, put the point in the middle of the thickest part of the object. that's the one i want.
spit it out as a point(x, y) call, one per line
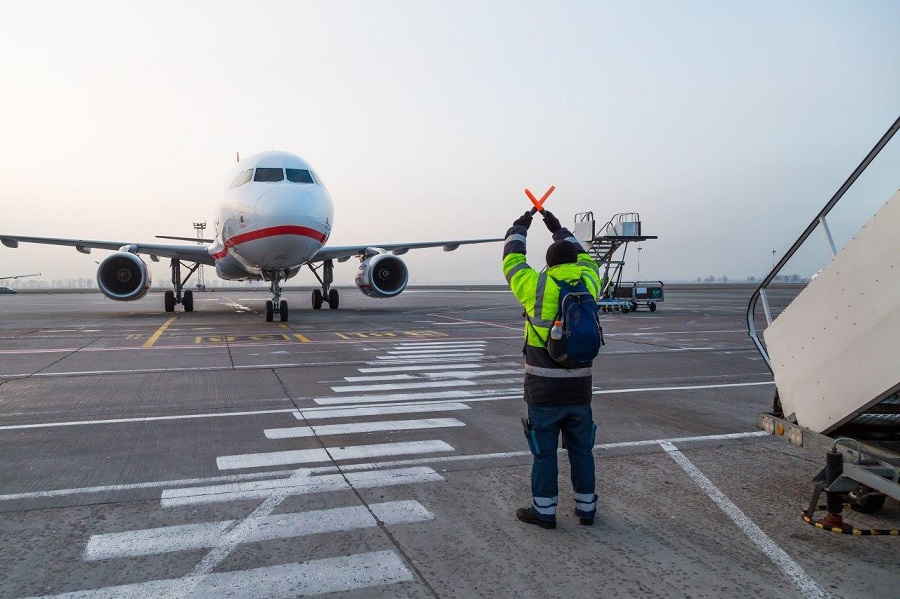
point(726, 125)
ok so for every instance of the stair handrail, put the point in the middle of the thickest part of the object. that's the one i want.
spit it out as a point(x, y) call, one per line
point(819, 219)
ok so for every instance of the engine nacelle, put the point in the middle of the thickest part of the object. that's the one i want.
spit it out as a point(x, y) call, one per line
point(123, 277)
point(382, 275)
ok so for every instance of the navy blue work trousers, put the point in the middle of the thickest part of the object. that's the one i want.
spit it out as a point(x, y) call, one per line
point(577, 427)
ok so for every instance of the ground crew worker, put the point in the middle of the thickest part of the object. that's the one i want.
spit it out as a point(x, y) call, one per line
point(559, 399)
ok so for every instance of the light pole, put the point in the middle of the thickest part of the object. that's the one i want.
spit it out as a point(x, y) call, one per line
point(639, 263)
point(773, 259)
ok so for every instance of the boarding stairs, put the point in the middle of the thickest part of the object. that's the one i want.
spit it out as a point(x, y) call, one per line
point(834, 349)
point(603, 243)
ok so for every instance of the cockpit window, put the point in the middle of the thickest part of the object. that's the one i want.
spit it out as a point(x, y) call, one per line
point(269, 175)
point(298, 175)
point(317, 179)
point(245, 177)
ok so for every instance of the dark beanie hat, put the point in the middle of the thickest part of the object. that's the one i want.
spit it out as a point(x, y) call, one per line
point(562, 252)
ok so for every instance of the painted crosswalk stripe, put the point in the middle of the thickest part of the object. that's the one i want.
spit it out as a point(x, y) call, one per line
point(378, 377)
point(379, 360)
point(447, 366)
point(465, 374)
point(324, 412)
point(439, 344)
point(315, 577)
point(453, 394)
point(154, 541)
point(360, 427)
point(399, 386)
point(429, 359)
point(313, 484)
point(429, 353)
point(312, 456)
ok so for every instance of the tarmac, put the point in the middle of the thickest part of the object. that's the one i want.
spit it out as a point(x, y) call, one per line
point(376, 451)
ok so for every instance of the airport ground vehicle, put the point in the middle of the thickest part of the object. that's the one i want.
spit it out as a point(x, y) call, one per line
point(630, 295)
point(833, 353)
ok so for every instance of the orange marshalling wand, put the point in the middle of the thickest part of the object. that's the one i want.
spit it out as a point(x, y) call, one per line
point(539, 204)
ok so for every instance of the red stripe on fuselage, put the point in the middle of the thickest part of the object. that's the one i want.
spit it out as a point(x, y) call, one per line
point(269, 232)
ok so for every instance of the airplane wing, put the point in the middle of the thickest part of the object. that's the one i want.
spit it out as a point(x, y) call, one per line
point(188, 253)
point(343, 252)
point(37, 274)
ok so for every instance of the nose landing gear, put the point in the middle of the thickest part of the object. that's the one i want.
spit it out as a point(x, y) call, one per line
point(276, 305)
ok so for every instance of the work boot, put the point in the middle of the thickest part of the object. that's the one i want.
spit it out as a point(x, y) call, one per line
point(584, 521)
point(528, 515)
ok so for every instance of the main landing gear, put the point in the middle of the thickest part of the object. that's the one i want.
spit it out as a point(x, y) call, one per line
point(276, 305)
point(325, 294)
point(179, 296)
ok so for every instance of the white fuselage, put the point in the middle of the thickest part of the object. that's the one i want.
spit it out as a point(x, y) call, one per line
point(274, 217)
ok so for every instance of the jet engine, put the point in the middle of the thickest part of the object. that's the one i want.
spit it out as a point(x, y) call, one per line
point(382, 275)
point(123, 277)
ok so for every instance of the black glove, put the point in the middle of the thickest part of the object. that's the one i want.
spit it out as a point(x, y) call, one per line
point(551, 221)
point(524, 220)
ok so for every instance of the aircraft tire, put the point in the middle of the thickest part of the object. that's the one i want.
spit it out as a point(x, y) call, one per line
point(270, 310)
point(283, 311)
point(334, 299)
point(317, 299)
point(169, 301)
point(188, 301)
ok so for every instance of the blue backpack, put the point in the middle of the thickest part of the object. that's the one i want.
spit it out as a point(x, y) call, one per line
point(580, 333)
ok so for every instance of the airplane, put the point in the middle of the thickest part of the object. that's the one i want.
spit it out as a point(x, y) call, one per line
point(275, 217)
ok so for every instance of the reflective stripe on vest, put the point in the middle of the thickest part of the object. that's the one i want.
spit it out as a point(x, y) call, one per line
point(514, 270)
point(557, 373)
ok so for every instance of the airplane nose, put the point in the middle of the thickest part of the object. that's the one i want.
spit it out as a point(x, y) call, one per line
point(285, 201)
point(295, 205)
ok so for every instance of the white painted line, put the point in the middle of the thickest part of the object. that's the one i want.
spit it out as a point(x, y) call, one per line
point(680, 388)
point(150, 418)
point(276, 478)
point(517, 454)
point(320, 413)
point(806, 585)
point(315, 577)
point(429, 359)
point(474, 373)
point(486, 395)
point(455, 394)
point(311, 456)
point(382, 377)
point(298, 486)
point(723, 437)
point(399, 386)
point(188, 537)
point(432, 344)
point(445, 366)
point(441, 344)
point(429, 353)
point(437, 351)
point(361, 427)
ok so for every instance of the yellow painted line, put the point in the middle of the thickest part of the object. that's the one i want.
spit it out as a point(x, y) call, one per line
point(155, 336)
point(301, 337)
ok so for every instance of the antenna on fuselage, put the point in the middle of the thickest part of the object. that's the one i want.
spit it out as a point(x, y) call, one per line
point(238, 156)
